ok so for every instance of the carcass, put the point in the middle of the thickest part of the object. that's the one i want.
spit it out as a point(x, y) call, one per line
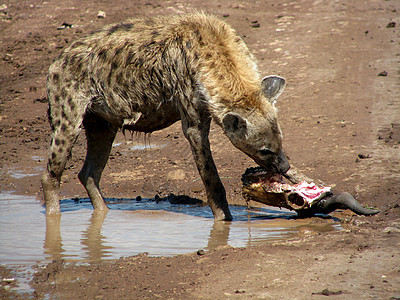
point(298, 193)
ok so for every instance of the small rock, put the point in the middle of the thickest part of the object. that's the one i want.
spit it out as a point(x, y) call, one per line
point(201, 252)
point(65, 25)
point(320, 258)
point(197, 188)
point(101, 14)
point(139, 198)
point(183, 199)
point(391, 230)
point(8, 57)
point(255, 24)
point(383, 73)
point(391, 25)
point(327, 292)
point(3, 7)
point(41, 100)
point(237, 6)
point(176, 175)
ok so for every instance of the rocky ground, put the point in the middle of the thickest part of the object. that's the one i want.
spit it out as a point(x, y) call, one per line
point(340, 118)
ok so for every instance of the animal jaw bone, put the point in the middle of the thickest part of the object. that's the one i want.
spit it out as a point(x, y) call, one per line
point(272, 190)
point(304, 197)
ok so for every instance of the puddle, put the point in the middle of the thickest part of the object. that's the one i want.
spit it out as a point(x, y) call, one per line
point(141, 146)
point(18, 174)
point(32, 171)
point(21, 174)
point(132, 227)
point(147, 146)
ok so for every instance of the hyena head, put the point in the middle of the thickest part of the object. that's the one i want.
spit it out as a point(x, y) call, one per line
point(256, 132)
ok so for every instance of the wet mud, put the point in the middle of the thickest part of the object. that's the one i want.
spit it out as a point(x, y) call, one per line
point(340, 122)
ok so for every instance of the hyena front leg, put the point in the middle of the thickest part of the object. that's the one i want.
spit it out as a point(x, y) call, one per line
point(100, 136)
point(196, 128)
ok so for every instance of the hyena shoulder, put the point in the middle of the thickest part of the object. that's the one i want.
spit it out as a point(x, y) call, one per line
point(165, 52)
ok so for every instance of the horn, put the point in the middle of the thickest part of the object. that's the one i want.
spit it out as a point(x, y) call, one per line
point(346, 201)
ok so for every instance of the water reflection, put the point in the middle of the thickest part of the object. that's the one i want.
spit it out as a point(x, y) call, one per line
point(53, 242)
point(219, 235)
point(94, 243)
point(93, 240)
point(131, 227)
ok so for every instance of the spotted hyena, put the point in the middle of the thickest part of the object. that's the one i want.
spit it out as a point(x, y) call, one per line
point(146, 74)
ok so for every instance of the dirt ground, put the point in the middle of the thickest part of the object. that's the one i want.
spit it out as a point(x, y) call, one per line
point(340, 115)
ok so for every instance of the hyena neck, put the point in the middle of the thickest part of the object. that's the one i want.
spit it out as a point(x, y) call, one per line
point(228, 71)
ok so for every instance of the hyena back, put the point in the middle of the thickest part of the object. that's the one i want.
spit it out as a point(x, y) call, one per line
point(146, 74)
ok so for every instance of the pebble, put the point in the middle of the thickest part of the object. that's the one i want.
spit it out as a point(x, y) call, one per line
point(363, 156)
point(201, 252)
point(176, 175)
point(237, 6)
point(65, 25)
point(391, 25)
point(391, 230)
point(255, 24)
point(101, 14)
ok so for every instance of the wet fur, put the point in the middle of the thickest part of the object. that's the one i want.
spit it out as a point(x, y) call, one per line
point(144, 75)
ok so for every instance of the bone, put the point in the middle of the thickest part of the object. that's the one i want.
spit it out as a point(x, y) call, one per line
point(294, 175)
point(260, 193)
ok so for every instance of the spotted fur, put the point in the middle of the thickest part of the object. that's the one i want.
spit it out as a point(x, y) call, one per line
point(144, 75)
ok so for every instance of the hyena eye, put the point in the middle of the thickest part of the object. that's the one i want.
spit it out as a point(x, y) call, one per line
point(266, 151)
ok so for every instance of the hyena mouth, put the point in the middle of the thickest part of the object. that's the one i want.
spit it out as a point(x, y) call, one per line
point(261, 186)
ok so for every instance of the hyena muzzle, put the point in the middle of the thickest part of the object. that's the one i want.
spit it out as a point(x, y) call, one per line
point(146, 74)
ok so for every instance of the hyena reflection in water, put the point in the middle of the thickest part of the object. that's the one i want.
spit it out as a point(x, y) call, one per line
point(146, 74)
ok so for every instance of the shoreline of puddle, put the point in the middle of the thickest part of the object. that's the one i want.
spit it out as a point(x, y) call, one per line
point(131, 227)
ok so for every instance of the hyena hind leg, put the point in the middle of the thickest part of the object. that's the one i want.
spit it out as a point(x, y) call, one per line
point(63, 139)
point(100, 136)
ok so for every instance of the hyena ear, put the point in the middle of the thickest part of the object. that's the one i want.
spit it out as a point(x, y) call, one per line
point(234, 125)
point(272, 87)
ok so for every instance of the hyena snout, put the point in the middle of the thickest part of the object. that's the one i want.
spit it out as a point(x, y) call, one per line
point(272, 162)
point(282, 163)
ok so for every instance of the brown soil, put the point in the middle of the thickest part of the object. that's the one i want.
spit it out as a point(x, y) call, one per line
point(339, 114)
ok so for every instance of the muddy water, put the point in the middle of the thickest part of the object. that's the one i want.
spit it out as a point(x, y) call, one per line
point(132, 227)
